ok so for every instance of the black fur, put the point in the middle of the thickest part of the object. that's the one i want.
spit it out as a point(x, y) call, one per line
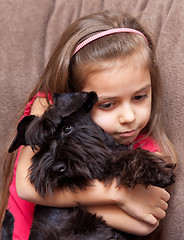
point(7, 226)
point(73, 151)
point(70, 224)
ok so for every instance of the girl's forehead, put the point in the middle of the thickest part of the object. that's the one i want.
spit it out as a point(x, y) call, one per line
point(119, 79)
point(139, 59)
point(115, 66)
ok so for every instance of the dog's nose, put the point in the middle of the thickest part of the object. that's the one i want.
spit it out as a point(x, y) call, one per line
point(59, 168)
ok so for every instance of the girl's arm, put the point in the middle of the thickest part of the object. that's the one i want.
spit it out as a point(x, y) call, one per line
point(144, 204)
point(120, 208)
point(122, 221)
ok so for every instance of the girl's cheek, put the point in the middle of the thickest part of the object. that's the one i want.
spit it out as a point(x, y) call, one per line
point(98, 117)
point(104, 122)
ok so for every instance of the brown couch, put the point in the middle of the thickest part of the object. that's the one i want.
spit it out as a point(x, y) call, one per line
point(28, 31)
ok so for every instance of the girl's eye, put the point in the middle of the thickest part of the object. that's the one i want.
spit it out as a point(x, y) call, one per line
point(67, 129)
point(105, 106)
point(139, 97)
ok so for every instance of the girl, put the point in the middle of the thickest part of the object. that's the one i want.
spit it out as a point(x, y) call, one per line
point(112, 55)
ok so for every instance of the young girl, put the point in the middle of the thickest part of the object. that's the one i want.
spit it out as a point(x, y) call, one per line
point(112, 55)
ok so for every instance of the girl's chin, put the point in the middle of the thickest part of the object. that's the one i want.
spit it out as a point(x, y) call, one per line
point(125, 141)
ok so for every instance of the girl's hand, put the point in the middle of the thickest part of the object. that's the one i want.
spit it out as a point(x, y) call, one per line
point(116, 218)
point(145, 204)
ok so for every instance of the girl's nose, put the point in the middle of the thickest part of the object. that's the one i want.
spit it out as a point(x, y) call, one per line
point(127, 114)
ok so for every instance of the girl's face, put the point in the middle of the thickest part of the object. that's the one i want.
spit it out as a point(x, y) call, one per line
point(124, 104)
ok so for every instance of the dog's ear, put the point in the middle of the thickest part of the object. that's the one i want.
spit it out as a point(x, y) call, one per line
point(90, 100)
point(21, 131)
point(43, 129)
point(67, 103)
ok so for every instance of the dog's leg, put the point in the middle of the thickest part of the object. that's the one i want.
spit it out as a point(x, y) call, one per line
point(142, 167)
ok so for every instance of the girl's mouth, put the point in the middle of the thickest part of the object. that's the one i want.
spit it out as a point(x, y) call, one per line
point(127, 134)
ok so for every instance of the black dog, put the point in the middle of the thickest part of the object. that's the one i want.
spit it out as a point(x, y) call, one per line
point(72, 151)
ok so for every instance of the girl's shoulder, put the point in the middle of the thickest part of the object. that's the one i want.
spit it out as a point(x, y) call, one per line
point(147, 143)
point(37, 105)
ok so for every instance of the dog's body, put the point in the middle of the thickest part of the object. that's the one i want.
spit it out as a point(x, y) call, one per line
point(74, 151)
point(70, 224)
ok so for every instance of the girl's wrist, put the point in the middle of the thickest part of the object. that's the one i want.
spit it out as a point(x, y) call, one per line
point(116, 195)
point(99, 194)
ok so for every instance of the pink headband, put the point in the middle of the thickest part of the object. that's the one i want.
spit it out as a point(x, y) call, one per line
point(108, 32)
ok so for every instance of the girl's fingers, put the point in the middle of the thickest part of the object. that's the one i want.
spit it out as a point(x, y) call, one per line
point(163, 205)
point(165, 196)
point(159, 213)
point(150, 219)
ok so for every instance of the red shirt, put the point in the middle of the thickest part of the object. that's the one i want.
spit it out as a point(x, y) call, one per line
point(146, 143)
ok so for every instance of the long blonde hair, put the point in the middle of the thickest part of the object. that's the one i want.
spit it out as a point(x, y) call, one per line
point(65, 71)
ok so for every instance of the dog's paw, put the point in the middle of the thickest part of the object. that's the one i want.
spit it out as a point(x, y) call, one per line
point(144, 167)
point(157, 171)
point(162, 175)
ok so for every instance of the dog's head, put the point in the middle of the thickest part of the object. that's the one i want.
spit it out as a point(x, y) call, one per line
point(36, 131)
point(70, 146)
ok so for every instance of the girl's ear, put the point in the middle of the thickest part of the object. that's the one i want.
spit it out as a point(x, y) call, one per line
point(21, 131)
point(67, 103)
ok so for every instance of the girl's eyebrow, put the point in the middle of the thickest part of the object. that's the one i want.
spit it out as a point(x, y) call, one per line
point(144, 88)
point(104, 98)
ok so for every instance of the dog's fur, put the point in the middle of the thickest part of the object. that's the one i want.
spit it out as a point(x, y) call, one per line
point(7, 226)
point(72, 152)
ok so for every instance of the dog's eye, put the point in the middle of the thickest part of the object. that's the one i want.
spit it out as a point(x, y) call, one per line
point(67, 129)
point(59, 168)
